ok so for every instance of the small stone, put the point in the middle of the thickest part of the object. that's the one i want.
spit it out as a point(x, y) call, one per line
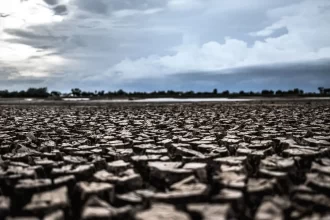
point(315, 142)
point(99, 163)
point(118, 166)
point(229, 195)
point(81, 172)
point(269, 210)
point(231, 180)
point(213, 150)
point(57, 215)
point(31, 136)
point(231, 160)
point(312, 201)
point(273, 207)
point(161, 212)
point(21, 157)
point(74, 160)
point(232, 168)
point(167, 173)
point(259, 186)
point(300, 152)
point(4, 206)
point(22, 218)
point(95, 208)
point(180, 150)
point(68, 181)
point(87, 189)
point(185, 193)
point(277, 163)
point(45, 202)
point(212, 211)
point(124, 181)
point(131, 198)
point(146, 158)
point(325, 169)
point(28, 186)
point(141, 148)
point(159, 151)
point(319, 182)
point(199, 168)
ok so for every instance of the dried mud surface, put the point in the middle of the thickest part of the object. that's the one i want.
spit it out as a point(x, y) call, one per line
point(166, 161)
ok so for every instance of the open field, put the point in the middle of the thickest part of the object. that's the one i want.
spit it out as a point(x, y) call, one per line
point(230, 160)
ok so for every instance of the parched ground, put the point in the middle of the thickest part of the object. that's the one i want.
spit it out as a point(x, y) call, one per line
point(257, 160)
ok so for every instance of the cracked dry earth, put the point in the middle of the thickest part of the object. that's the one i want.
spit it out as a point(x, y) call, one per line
point(162, 161)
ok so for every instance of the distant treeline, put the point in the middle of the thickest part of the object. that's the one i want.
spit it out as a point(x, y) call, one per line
point(30, 93)
point(76, 92)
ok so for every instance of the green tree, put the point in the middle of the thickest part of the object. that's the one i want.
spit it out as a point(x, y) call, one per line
point(55, 93)
point(279, 92)
point(37, 92)
point(101, 93)
point(321, 89)
point(225, 93)
point(121, 92)
point(296, 91)
point(76, 92)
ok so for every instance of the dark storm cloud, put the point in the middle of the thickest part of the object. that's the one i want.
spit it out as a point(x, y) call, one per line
point(51, 2)
point(31, 34)
point(10, 77)
point(137, 4)
point(41, 44)
point(2, 15)
point(60, 10)
point(6, 71)
point(22, 81)
point(104, 6)
point(35, 39)
point(305, 75)
point(94, 6)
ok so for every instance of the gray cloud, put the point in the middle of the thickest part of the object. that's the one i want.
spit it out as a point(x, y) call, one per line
point(2, 15)
point(23, 81)
point(60, 10)
point(94, 6)
point(36, 38)
point(306, 75)
point(11, 78)
point(6, 71)
point(51, 2)
point(31, 34)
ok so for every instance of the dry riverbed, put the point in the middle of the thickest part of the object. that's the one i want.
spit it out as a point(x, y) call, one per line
point(209, 161)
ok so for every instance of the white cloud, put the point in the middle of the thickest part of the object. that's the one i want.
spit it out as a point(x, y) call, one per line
point(299, 44)
point(131, 12)
point(22, 13)
point(268, 30)
point(152, 11)
point(27, 60)
point(184, 4)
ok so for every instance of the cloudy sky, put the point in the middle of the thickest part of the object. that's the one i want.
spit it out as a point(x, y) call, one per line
point(165, 44)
